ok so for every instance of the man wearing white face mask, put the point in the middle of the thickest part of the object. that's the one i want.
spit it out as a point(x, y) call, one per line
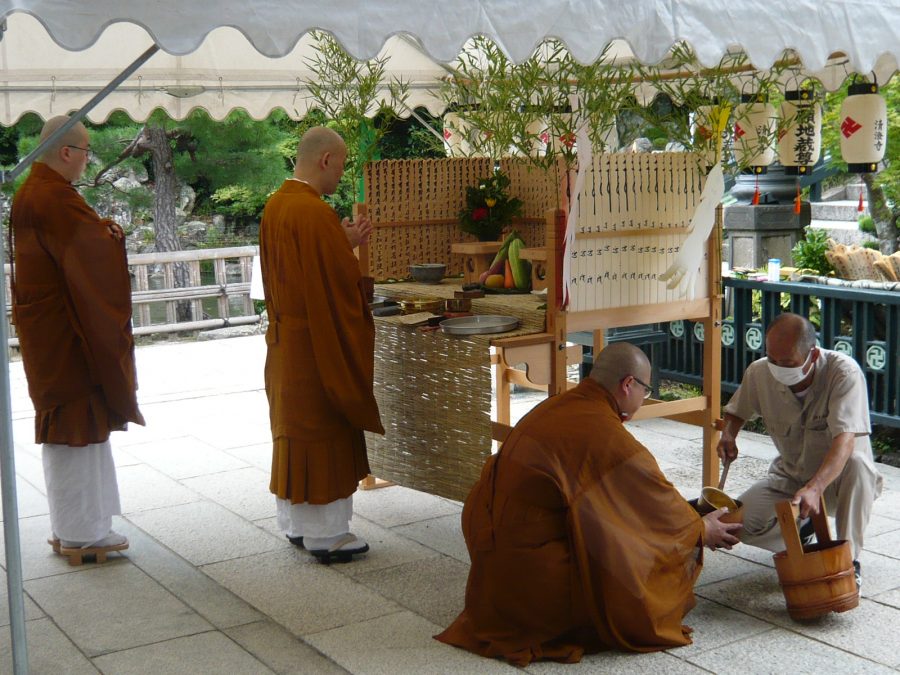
point(815, 406)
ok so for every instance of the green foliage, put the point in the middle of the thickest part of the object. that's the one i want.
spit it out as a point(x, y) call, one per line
point(871, 244)
point(489, 207)
point(702, 94)
point(867, 224)
point(239, 202)
point(809, 252)
point(237, 151)
point(348, 92)
point(523, 107)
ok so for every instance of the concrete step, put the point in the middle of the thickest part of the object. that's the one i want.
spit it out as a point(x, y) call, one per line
point(839, 192)
point(841, 209)
point(843, 231)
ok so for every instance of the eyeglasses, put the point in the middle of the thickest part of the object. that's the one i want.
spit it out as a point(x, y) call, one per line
point(87, 151)
point(645, 386)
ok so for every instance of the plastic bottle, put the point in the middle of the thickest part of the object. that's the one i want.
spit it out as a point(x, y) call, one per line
point(774, 269)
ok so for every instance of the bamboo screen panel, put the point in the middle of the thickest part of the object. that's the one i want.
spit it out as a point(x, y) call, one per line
point(414, 205)
point(635, 211)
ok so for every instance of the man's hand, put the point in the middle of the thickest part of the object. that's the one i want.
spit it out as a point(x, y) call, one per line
point(718, 534)
point(358, 232)
point(727, 448)
point(807, 498)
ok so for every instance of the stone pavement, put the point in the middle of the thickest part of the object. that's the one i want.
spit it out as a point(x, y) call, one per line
point(210, 586)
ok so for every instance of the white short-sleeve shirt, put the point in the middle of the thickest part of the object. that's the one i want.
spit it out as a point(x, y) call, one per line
point(803, 428)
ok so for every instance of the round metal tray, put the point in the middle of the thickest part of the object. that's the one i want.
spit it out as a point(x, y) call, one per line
point(480, 324)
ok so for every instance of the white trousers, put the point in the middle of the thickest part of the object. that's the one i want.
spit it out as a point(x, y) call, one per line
point(82, 490)
point(317, 521)
point(849, 499)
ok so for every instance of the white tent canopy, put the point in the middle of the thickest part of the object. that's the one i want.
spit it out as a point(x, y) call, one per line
point(862, 29)
point(226, 72)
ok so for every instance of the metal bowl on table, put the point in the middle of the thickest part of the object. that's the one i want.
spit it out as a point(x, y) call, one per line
point(428, 273)
point(480, 324)
point(414, 305)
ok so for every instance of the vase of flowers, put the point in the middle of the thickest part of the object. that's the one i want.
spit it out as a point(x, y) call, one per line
point(489, 208)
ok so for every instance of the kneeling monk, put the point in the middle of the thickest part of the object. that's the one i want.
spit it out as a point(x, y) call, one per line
point(577, 540)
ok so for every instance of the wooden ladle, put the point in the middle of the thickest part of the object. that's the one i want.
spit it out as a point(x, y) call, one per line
point(725, 464)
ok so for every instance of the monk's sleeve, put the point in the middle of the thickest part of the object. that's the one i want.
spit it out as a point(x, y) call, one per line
point(95, 269)
point(636, 542)
point(340, 325)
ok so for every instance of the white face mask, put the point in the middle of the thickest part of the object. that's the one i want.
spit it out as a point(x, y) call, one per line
point(789, 376)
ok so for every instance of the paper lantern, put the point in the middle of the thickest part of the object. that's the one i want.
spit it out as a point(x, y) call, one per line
point(800, 144)
point(863, 128)
point(755, 124)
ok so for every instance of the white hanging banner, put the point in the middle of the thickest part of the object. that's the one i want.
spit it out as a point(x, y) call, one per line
point(585, 158)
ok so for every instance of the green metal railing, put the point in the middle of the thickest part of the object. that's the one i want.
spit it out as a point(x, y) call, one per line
point(862, 323)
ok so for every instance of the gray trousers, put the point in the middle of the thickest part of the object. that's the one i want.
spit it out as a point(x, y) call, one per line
point(849, 499)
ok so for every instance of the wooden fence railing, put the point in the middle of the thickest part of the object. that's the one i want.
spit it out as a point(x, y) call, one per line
point(218, 290)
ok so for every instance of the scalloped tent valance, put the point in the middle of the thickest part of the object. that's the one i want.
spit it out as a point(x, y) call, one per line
point(861, 29)
point(251, 55)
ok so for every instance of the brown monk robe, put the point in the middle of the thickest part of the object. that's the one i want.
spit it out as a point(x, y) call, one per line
point(321, 339)
point(72, 312)
point(578, 542)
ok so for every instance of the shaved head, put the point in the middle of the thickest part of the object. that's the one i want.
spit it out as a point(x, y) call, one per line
point(616, 362)
point(316, 142)
point(792, 330)
point(77, 135)
point(321, 154)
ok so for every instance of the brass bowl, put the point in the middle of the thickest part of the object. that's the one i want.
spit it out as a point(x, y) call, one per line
point(458, 305)
point(414, 305)
point(717, 499)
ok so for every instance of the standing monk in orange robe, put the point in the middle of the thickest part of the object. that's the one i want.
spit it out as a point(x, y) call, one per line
point(577, 540)
point(72, 310)
point(321, 353)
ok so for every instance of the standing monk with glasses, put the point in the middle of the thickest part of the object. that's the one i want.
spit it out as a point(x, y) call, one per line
point(72, 311)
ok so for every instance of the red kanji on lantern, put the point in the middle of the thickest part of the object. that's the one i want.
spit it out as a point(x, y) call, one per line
point(545, 138)
point(568, 139)
point(849, 127)
point(738, 131)
point(447, 134)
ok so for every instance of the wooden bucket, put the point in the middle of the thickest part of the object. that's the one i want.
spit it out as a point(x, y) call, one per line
point(815, 579)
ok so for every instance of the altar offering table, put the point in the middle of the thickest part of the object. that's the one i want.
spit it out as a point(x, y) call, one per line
point(434, 392)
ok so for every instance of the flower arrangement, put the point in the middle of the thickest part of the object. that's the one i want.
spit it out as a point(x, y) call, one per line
point(489, 207)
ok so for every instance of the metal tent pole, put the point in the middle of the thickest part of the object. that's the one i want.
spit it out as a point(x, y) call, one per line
point(7, 457)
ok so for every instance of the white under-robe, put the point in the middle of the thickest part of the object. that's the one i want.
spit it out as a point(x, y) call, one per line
point(82, 490)
point(317, 521)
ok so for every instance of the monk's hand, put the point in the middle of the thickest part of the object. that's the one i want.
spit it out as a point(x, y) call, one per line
point(727, 448)
point(719, 534)
point(115, 230)
point(807, 498)
point(358, 231)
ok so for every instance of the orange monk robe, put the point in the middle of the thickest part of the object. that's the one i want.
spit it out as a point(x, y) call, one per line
point(321, 349)
point(72, 310)
point(578, 542)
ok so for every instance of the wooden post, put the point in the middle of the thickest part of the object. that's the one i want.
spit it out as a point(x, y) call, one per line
point(556, 314)
point(712, 355)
